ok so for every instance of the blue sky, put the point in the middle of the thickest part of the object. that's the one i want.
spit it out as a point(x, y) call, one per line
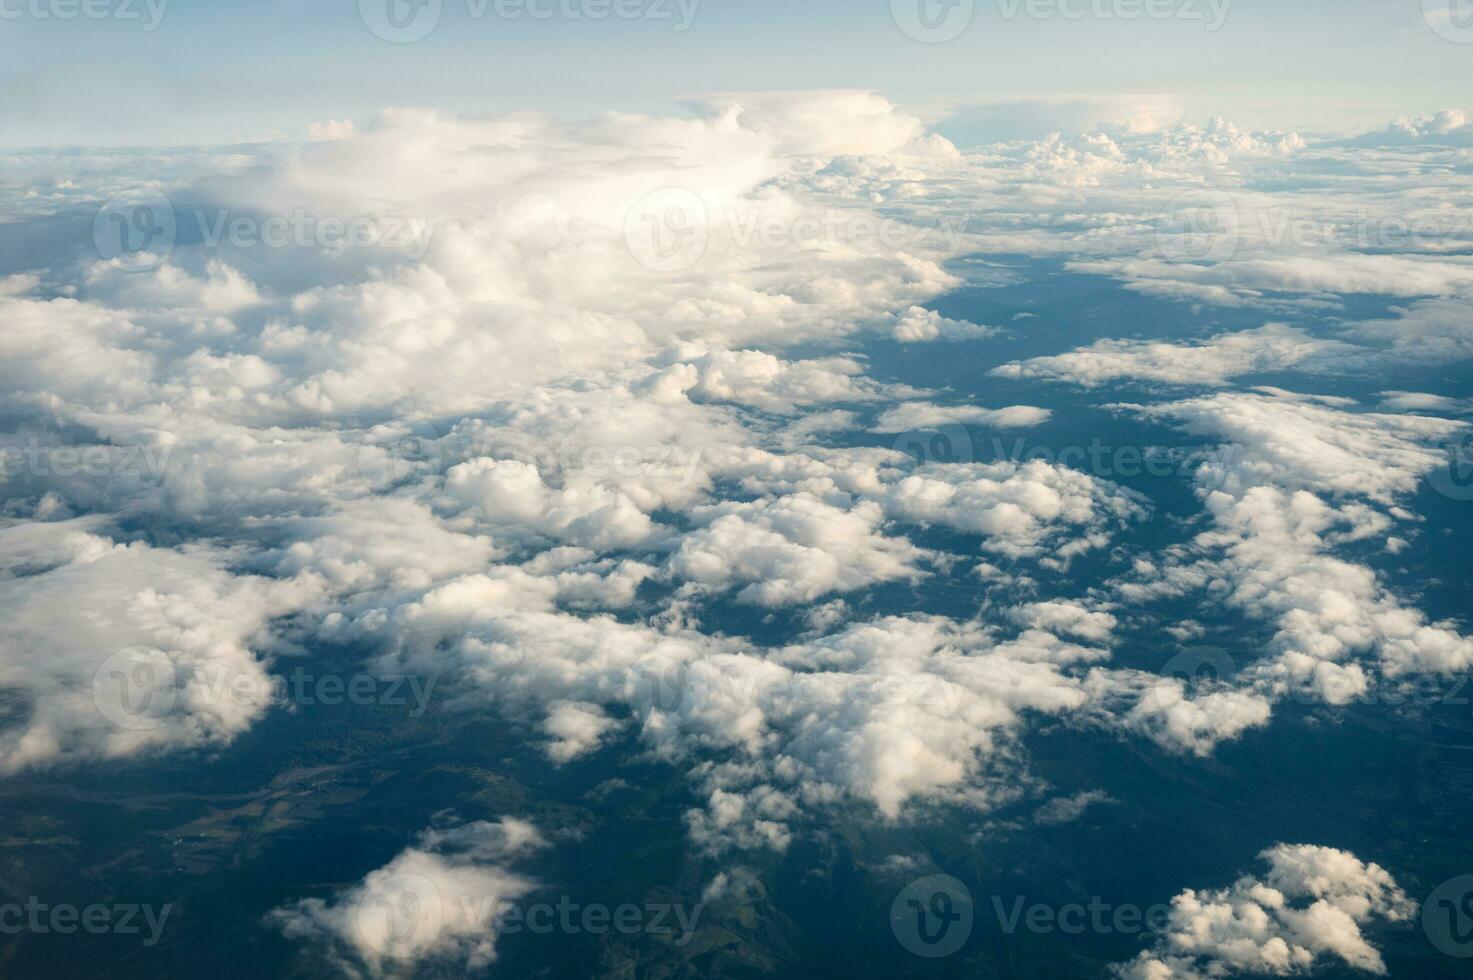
point(221, 72)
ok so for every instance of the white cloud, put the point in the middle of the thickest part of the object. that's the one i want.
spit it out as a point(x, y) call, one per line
point(913, 416)
point(1304, 915)
point(1019, 509)
point(791, 549)
point(1303, 477)
point(919, 325)
point(1067, 809)
point(1213, 362)
point(576, 729)
point(436, 903)
point(118, 649)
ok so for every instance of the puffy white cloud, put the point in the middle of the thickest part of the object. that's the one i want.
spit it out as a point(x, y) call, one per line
point(919, 325)
point(791, 549)
point(1018, 509)
point(576, 729)
point(925, 415)
point(822, 123)
point(459, 448)
point(508, 492)
point(1164, 710)
point(768, 382)
point(1450, 127)
point(1303, 443)
point(438, 903)
point(1214, 362)
point(1304, 915)
point(119, 649)
point(1067, 617)
point(1305, 476)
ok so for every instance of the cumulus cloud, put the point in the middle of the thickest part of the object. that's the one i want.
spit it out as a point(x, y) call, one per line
point(926, 415)
point(530, 446)
point(1304, 915)
point(1304, 476)
point(1017, 508)
point(919, 325)
point(792, 549)
point(1213, 362)
point(437, 903)
point(576, 729)
point(115, 649)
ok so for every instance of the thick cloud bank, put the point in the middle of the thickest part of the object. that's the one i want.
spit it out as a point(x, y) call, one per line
point(531, 405)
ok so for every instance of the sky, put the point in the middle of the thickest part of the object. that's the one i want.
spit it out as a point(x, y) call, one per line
point(159, 72)
point(853, 428)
